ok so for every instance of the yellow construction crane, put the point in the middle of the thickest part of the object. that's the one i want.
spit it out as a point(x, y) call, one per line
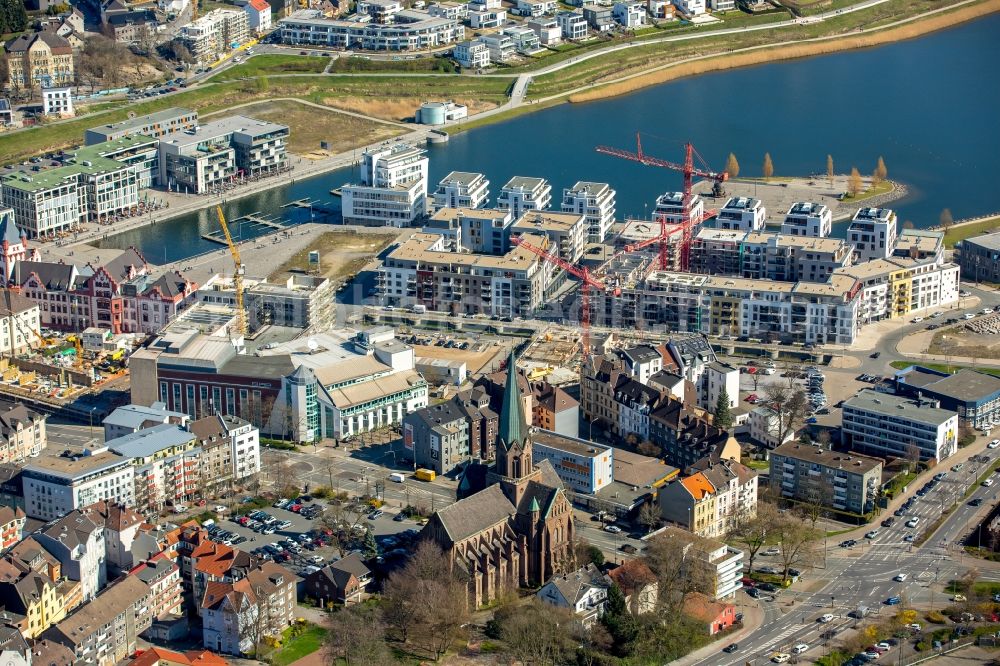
point(237, 273)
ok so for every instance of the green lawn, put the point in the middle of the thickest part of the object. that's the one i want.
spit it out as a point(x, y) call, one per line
point(882, 188)
point(956, 234)
point(295, 648)
point(941, 367)
point(273, 63)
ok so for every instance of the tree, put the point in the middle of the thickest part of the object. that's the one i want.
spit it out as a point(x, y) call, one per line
point(946, 220)
point(796, 540)
point(854, 182)
point(588, 553)
point(768, 168)
point(649, 516)
point(648, 448)
point(619, 622)
point(370, 547)
point(723, 416)
point(908, 224)
point(815, 494)
point(535, 633)
point(789, 405)
point(912, 454)
point(4, 69)
point(13, 16)
point(676, 571)
point(751, 528)
point(880, 171)
point(357, 636)
point(829, 169)
point(823, 438)
point(732, 166)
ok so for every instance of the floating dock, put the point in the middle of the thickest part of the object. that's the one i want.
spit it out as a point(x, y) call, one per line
point(254, 220)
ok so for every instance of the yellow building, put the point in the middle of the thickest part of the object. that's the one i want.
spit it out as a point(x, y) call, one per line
point(42, 59)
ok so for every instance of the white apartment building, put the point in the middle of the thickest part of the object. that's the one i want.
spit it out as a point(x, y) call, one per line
point(19, 323)
point(583, 466)
point(525, 40)
point(898, 286)
point(894, 426)
point(534, 8)
point(215, 34)
point(44, 203)
point(714, 377)
point(381, 11)
point(524, 193)
point(807, 219)
point(472, 55)
point(873, 233)
point(480, 19)
point(166, 461)
point(742, 214)
point(567, 232)
point(723, 564)
point(766, 428)
point(55, 485)
point(409, 30)
point(642, 362)
point(548, 31)
point(57, 101)
point(572, 24)
point(457, 11)
point(500, 46)
point(393, 188)
point(596, 202)
point(462, 189)
point(244, 441)
point(78, 542)
point(761, 254)
point(690, 7)
point(258, 15)
point(670, 208)
point(629, 14)
point(722, 5)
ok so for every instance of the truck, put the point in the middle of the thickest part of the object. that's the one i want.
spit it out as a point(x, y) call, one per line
point(419, 308)
point(425, 474)
point(397, 477)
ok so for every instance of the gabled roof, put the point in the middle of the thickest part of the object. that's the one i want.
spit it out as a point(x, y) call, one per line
point(12, 303)
point(260, 5)
point(57, 44)
point(698, 485)
point(125, 264)
point(474, 514)
point(632, 575)
point(575, 585)
point(54, 276)
point(9, 233)
point(157, 656)
point(171, 285)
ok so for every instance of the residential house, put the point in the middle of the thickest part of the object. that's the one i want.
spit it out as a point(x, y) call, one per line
point(635, 404)
point(78, 543)
point(258, 16)
point(12, 521)
point(720, 565)
point(32, 587)
point(204, 562)
point(572, 24)
point(715, 616)
point(639, 585)
point(551, 407)
point(500, 46)
point(584, 591)
point(629, 14)
point(690, 503)
point(14, 650)
point(124, 545)
point(735, 492)
point(842, 481)
point(766, 427)
point(19, 324)
point(235, 614)
point(158, 656)
point(345, 581)
point(548, 31)
point(22, 431)
point(598, 17)
point(686, 438)
point(163, 577)
point(39, 59)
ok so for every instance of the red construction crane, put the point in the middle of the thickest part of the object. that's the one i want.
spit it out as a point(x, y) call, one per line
point(588, 282)
point(689, 171)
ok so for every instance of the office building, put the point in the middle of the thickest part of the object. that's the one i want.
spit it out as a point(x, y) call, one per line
point(200, 159)
point(979, 258)
point(460, 189)
point(45, 203)
point(522, 194)
point(583, 467)
point(893, 426)
point(213, 35)
point(155, 125)
point(872, 232)
point(742, 214)
point(973, 395)
point(393, 188)
point(807, 219)
point(409, 30)
point(596, 202)
point(848, 482)
point(140, 152)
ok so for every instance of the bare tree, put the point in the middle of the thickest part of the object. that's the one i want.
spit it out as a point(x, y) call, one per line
point(912, 456)
point(946, 220)
point(791, 407)
point(797, 541)
point(649, 516)
point(815, 499)
point(357, 636)
point(535, 633)
point(829, 169)
point(823, 438)
point(751, 528)
point(677, 570)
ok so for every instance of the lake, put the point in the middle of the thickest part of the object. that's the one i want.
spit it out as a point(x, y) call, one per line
point(927, 105)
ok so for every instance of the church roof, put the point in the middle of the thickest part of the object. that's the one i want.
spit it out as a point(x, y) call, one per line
point(475, 513)
point(512, 427)
point(9, 233)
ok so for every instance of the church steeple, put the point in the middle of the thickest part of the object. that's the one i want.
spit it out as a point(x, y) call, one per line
point(512, 427)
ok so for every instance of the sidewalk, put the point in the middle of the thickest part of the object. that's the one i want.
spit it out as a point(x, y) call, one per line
point(753, 619)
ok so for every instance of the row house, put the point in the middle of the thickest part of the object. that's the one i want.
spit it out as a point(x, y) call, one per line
point(166, 461)
point(12, 521)
point(33, 588)
point(163, 576)
point(22, 433)
point(78, 543)
point(449, 434)
point(550, 407)
point(687, 438)
point(203, 561)
point(707, 501)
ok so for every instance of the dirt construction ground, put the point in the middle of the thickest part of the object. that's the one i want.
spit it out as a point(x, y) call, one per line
point(961, 342)
point(342, 254)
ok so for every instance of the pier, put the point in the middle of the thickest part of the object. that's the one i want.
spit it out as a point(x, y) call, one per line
point(255, 220)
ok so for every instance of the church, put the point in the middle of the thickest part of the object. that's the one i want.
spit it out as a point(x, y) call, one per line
point(517, 531)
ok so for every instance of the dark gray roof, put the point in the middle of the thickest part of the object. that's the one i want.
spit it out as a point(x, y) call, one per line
point(118, 267)
point(475, 513)
point(12, 303)
point(8, 230)
point(72, 530)
point(352, 564)
point(573, 585)
point(641, 354)
point(967, 386)
point(54, 276)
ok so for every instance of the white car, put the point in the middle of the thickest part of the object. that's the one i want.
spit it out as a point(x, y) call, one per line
point(781, 657)
point(994, 444)
point(987, 483)
point(968, 315)
point(613, 529)
point(800, 648)
point(900, 577)
point(773, 550)
point(912, 522)
point(219, 508)
point(180, 508)
point(825, 618)
point(917, 320)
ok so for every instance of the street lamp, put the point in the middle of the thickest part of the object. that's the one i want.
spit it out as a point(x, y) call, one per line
point(92, 421)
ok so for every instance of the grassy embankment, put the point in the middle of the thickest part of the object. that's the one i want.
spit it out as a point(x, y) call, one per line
point(682, 59)
point(942, 367)
point(960, 233)
point(327, 90)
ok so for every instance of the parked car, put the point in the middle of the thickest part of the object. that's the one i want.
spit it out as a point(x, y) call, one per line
point(731, 648)
point(893, 601)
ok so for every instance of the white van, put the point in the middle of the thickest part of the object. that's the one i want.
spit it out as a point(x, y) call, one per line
point(419, 308)
point(397, 477)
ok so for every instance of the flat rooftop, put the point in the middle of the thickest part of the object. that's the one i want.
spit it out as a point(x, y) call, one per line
point(873, 215)
point(222, 127)
point(417, 249)
point(477, 213)
point(807, 208)
point(587, 187)
point(542, 221)
point(967, 385)
point(987, 241)
point(741, 203)
point(462, 178)
point(851, 462)
point(898, 407)
point(148, 441)
point(149, 119)
point(571, 445)
point(525, 183)
point(81, 466)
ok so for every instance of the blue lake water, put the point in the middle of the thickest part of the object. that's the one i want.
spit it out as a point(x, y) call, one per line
point(929, 106)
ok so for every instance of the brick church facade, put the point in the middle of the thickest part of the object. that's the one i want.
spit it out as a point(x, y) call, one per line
point(518, 529)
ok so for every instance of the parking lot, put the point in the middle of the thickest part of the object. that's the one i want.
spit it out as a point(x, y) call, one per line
point(299, 542)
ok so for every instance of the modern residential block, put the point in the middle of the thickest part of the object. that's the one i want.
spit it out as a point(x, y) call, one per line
point(155, 125)
point(807, 219)
point(742, 214)
point(873, 233)
point(393, 188)
point(584, 467)
point(881, 424)
point(842, 481)
point(460, 189)
point(596, 202)
point(216, 33)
